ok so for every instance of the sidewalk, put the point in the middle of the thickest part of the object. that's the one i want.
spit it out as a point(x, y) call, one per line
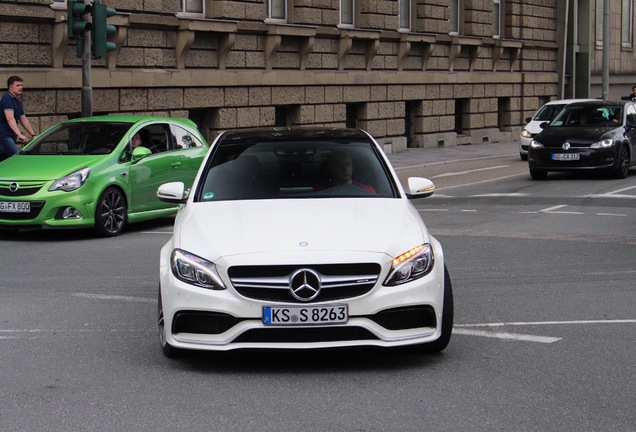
point(419, 157)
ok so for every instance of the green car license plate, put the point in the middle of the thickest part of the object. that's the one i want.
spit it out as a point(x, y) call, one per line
point(14, 207)
point(305, 315)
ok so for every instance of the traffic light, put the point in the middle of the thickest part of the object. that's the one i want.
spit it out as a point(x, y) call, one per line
point(101, 29)
point(76, 24)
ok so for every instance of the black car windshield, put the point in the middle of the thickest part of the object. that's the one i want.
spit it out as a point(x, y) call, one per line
point(313, 169)
point(583, 116)
point(548, 112)
point(82, 138)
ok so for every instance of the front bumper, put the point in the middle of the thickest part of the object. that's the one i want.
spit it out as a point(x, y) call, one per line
point(47, 207)
point(201, 319)
point(589, 159)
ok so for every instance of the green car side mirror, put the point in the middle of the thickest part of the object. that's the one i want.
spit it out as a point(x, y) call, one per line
point(140, 153)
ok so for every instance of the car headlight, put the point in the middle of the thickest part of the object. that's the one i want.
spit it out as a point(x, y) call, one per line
point(526, 134)
point(603, 144)
point(195, 270)
point(535, 144)
point(72, 181)
point(411, 265)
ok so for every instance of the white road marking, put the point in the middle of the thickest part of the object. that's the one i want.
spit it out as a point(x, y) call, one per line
point(507, 336)
point(115, 297)
point(544, 323)
point(450, 174)
point(611, 214)
point(516, 194)
point(553, 210)
point(468, 329)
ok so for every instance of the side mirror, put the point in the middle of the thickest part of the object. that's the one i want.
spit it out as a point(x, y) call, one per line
point(140, 153)
point(173, 193)
point(544, 125)
point(420, 187)
point(528, 119)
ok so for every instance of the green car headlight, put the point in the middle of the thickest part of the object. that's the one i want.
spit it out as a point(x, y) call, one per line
point(72, 181)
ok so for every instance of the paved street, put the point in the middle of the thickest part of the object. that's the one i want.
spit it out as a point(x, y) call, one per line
point(545, 322)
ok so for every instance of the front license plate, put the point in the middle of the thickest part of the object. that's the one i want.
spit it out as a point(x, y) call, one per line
point(305, 315)
point(14, 207)
point(566, 156)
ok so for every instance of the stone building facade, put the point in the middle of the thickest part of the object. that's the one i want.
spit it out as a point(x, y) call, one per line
point(414, 73)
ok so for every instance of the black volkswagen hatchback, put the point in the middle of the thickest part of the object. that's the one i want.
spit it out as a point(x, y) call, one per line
point(593, 135)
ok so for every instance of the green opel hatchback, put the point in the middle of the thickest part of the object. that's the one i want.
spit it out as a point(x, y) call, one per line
point(100, 172)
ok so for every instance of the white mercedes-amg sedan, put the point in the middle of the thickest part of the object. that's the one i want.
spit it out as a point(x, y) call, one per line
point(300, 238)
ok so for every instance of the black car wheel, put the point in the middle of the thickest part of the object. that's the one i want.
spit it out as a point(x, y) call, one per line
point(447, 320)
point(538, 174)
point(167, 349)
point(110, 214)
point(622, 170)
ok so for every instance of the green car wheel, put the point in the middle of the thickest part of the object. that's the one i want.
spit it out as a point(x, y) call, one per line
point(110, 215)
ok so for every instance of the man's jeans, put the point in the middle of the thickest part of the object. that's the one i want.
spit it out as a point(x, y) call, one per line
point(7, 148)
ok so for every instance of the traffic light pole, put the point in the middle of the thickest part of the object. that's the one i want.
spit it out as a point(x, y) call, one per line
point(87, 91)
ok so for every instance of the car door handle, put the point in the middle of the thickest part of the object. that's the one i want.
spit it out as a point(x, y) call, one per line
point(124, 174)
point(176, 164)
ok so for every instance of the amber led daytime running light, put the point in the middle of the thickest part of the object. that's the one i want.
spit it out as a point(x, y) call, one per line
point(407, 255)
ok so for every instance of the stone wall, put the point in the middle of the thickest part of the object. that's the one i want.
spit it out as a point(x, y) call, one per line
point(233, 68)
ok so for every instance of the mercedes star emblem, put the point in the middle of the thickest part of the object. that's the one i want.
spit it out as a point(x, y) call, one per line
point(304, 284)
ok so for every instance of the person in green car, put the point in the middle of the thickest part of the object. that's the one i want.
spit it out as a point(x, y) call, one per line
point(12, 113)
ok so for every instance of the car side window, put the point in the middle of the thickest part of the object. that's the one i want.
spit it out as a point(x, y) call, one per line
point(159, 134)
point(631, 113)
point(183, 139)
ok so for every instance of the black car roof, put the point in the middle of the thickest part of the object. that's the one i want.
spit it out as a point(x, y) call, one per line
point(277, 134)
point(597, 103)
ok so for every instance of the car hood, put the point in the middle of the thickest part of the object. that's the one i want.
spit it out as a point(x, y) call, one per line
point(43, 168)
point(556, 136)
point(216, 230)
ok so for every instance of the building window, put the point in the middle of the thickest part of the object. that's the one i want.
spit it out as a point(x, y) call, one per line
point(282, 116)
point(191, 6)
point(346, 12)
point(351, 115)
point(454, 16)
point(496, 18)
point(627, 22)
point(599, 21)
point(405, 14)
point(277, 10)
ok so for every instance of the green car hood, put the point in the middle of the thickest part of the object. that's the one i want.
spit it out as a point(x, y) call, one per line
point(43, 168)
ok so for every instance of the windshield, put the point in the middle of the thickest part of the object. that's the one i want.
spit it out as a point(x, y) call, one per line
point(548, 112)
point(606, 115)
point(95, 138)
point(267, 170)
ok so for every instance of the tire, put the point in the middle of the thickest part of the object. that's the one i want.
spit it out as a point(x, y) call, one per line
point(622, 170)
point(167, 349)
point(447, 320)
point(524, 157)
point(538, 174)
point(110, 214)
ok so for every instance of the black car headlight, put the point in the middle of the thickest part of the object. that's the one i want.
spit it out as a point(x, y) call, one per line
point(411, 265)
point(606, 143)
point(72, 181)
point(535, 144)
point(195, 270)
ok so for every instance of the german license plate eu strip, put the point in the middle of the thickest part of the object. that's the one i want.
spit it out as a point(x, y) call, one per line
point(305, 315)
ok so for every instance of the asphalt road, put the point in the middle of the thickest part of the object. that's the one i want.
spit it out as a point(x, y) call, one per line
point(543, 275)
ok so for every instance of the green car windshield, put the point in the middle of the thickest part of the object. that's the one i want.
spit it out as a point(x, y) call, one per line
point(82, 138)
